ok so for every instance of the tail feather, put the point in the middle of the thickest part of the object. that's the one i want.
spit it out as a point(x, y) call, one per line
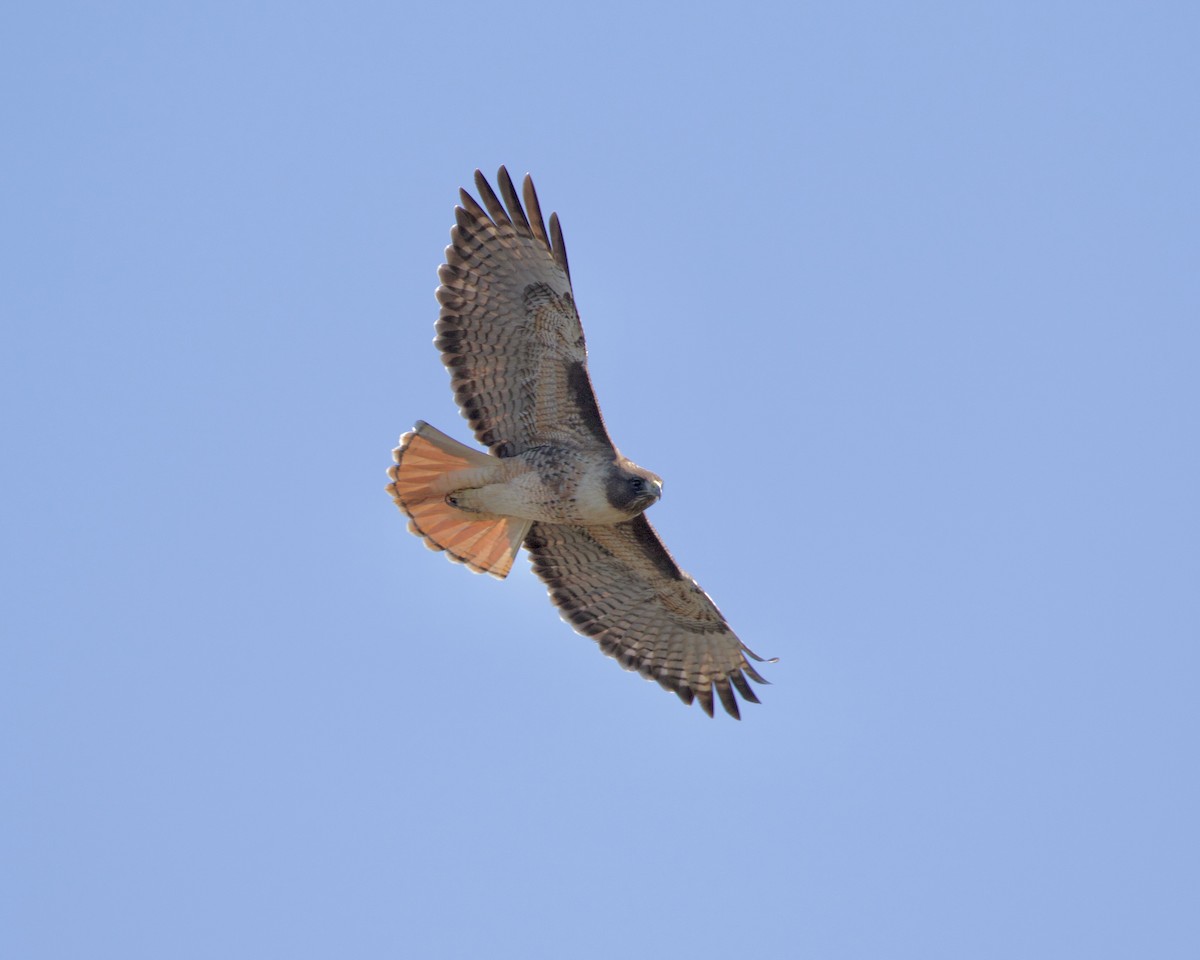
point(429, 465)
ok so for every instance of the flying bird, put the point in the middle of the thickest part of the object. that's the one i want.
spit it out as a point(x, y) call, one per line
point(552, 479)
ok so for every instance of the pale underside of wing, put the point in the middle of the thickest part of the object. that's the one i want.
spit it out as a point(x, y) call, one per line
point(619, 586)
point(508, 331)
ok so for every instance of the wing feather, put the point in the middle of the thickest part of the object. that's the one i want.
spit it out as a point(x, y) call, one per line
point(508, 191)
point(536, 224)
point(508, 331)
point(619, 586)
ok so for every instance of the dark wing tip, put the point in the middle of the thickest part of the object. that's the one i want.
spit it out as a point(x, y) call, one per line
point(747, 691)
point(755, 675)
point(536, 224)
point(511, 212)
point(728, 700)
point(491, 201)
point(755, 656)
point(512, 201)
point(557, 246)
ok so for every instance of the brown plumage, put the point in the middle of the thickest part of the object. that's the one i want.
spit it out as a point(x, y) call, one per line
point(510, 335)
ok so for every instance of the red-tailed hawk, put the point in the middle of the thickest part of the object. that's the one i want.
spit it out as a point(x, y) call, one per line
point(511, 338)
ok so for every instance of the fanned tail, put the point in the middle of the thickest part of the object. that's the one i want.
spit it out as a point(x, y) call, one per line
point(421, 478)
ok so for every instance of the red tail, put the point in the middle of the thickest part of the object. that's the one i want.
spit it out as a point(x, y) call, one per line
point(421, 478)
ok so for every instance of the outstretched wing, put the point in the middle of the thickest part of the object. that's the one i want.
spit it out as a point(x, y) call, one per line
point(620, 586)
point(508, 330)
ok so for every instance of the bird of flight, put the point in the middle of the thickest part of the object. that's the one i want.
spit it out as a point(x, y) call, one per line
point(553, 480)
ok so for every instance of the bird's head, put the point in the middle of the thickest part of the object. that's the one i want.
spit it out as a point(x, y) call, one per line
point(631, 489)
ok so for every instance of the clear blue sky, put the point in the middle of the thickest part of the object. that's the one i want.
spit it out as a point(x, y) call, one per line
point(902, 301)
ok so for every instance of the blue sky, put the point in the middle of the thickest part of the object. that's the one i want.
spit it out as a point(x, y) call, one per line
point(902, 302)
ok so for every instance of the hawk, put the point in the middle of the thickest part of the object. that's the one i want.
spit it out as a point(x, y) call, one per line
point(552, 479)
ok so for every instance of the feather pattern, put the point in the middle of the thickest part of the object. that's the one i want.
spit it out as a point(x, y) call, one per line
point(619, 585)
point(508, 330)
